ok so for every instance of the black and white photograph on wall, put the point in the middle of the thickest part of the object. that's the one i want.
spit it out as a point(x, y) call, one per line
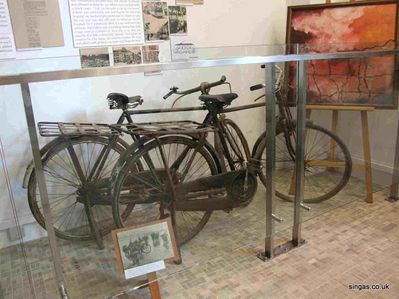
point(182, 48)
point(156, 19)
point(150, 54)
point(178, 19)
point(127, 55)
point(94, 57)
point(189, 2)
point(146, 244)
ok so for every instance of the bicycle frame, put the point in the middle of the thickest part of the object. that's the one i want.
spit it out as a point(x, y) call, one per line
point(206, 184)
point(222, 141)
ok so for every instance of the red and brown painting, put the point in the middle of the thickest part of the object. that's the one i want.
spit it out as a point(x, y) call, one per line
point(342, 28)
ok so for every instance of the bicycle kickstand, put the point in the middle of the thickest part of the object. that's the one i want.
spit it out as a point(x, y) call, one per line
point(172, 190)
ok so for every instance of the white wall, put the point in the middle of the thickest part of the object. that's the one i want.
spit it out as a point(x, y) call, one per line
point(219, 23)
point(298, 2)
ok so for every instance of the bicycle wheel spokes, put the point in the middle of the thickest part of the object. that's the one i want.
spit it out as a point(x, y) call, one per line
point(149, 189)
point(327, 164)
point(67, 194)
point(141, 189)
point(195, 164)
point(61, 178)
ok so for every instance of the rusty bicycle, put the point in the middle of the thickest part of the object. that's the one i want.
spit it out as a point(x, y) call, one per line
point(77, 164)
point(97, 181)
point(185, 173)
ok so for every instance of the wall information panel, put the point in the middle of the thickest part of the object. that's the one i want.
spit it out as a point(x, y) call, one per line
point(98, 23)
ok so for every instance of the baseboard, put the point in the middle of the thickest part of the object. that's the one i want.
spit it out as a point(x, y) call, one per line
point(381, 173)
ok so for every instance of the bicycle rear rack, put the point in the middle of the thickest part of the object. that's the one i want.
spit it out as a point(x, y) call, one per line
point(162, 128)
point(54, 129)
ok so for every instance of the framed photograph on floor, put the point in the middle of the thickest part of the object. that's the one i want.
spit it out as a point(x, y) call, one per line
point(142, 249)
point(345, 27)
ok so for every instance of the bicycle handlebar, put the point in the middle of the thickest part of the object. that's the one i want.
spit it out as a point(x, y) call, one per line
point(172, 91)
point(203, 86)
point(256, 87)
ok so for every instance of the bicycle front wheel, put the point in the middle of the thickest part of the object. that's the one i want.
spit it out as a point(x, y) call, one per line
point(66, 190)
point(328, 164)
point(148, 190)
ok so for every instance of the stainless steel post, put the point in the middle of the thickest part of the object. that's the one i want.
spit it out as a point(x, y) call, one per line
point(30, 119)
point(300, 150)
point(270, 156)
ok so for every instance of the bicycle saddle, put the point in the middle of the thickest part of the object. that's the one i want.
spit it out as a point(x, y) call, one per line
point(224, 99)
point(116, 100)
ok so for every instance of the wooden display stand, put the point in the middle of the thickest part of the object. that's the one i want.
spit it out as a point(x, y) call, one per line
point(154, 286)
point(151, 282)
point(365, 136)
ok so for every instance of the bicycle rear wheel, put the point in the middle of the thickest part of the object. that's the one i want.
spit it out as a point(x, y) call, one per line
point(65, 189)
point(148, 190)
point(328, 164)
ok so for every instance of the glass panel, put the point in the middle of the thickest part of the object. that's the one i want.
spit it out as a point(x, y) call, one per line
point(336, 132)
point(231, 239)
point(25, 261)
point(77, 101)
point(31, 62)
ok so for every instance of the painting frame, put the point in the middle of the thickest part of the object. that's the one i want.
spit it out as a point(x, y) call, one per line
point(291, 10)
point(134, 229)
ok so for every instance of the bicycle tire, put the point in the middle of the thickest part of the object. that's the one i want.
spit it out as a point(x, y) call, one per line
point(336, 186)
point(51, 158)
point(151, 183)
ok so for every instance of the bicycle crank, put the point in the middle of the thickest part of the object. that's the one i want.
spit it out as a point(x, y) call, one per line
point(242, 189)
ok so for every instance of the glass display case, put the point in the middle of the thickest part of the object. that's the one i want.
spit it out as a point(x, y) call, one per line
point(86, 151)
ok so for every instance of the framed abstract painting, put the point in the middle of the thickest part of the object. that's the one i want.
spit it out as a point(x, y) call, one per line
point(344, 27)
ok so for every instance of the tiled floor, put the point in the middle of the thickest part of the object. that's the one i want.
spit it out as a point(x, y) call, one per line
point(348, 242)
